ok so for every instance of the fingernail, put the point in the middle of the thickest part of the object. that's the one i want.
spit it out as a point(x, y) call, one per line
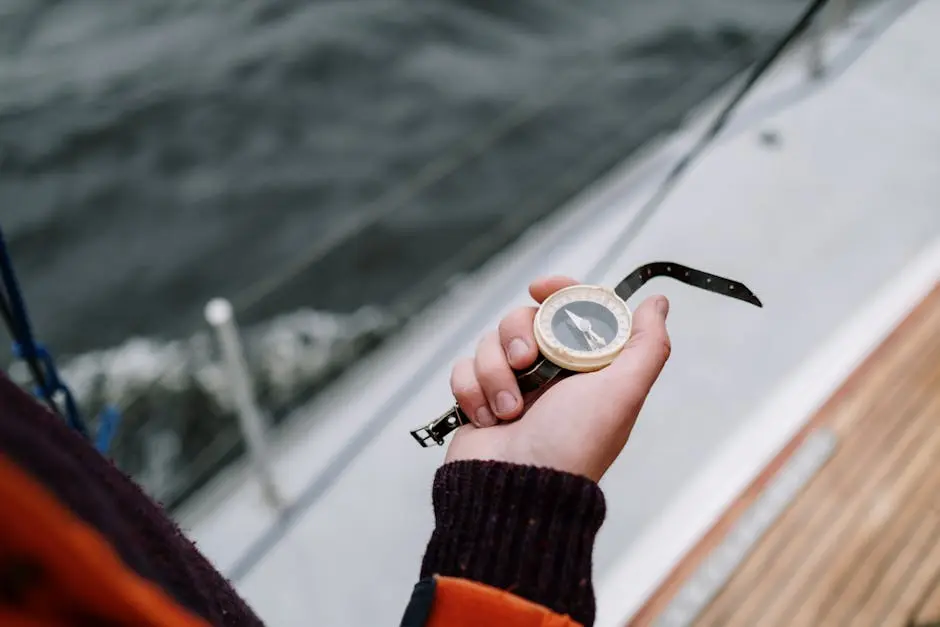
point(505, 402)
point(517, 350)
point(662, 306)
point(484, 417)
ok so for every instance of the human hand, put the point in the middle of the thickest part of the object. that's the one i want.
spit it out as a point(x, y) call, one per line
point(579, 425)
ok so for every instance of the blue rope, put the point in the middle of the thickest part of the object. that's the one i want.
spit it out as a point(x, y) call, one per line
point(107, 427)
point(51, 388)
point(48, 385)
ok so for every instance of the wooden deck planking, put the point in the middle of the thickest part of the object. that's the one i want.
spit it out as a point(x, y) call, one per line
point(864, 565)
point(861, 544)
point(802, 550)
point(894, 600)
point(890, 441)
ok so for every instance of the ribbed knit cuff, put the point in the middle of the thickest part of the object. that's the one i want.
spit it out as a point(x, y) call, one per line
point(520, 528)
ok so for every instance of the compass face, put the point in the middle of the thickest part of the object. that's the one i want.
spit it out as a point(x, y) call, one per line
point(583, 327)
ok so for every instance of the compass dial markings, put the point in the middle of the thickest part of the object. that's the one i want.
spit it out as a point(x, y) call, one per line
point(582, 327)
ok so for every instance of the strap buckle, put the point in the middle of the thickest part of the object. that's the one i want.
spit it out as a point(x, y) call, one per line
point(435, 431)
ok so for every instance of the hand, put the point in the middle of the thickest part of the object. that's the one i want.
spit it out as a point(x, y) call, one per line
point(580, 424)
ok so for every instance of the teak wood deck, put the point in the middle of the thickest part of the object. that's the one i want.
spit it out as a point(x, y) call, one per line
point(860, 545)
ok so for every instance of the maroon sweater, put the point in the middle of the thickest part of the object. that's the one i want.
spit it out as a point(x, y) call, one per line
point(527, 530)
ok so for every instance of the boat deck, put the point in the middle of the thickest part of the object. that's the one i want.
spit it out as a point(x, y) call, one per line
point(819, 224)
point(860, 544)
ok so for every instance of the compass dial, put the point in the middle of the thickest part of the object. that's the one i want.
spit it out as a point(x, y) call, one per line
point(582, 327)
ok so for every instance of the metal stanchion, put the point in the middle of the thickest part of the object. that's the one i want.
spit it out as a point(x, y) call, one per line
point(220, 316)
point(816, 49)
point(835, 17)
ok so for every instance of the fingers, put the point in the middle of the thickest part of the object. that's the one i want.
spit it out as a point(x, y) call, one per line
point(485, 387)
point(517, 337)
point(469, 394)
point(543, 287)
point(497, 379)
point(636, 369)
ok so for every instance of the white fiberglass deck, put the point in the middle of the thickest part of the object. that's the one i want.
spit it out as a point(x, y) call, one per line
point(816, 225)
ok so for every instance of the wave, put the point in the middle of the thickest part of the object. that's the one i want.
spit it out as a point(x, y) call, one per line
point(157, 153)
point(177, 415)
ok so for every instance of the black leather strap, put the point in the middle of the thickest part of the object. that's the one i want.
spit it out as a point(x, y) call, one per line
point(540, 374)
point(690, 276)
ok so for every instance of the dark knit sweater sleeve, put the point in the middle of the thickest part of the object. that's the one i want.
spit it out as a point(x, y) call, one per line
point(107, 500)
point(520, 528)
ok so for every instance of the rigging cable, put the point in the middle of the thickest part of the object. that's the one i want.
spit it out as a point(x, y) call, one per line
point(17, 321)
point(48, 384)
point(704, 141)
point(373, 426)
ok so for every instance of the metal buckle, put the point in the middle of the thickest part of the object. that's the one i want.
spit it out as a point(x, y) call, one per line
point(422, 435)
point(436, 430)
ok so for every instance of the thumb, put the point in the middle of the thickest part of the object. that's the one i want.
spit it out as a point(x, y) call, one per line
point(636, 369)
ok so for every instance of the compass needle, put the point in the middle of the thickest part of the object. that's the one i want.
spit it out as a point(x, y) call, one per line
point(597, 338)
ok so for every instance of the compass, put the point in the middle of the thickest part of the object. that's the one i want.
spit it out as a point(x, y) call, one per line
point(583, 328)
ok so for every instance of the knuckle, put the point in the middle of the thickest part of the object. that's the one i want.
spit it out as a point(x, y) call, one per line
point(461, 366)
point(462, 379)
point(468, 393)
point(486, 341)
point(488, 374)
point(666, 345)
point(515, 320)
point(661, 344)
point(654, 343)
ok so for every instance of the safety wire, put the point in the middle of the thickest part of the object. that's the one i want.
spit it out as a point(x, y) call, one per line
point(48, 385)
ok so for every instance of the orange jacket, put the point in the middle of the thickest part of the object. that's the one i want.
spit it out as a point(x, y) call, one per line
point(453, 602)
point(80, 544)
